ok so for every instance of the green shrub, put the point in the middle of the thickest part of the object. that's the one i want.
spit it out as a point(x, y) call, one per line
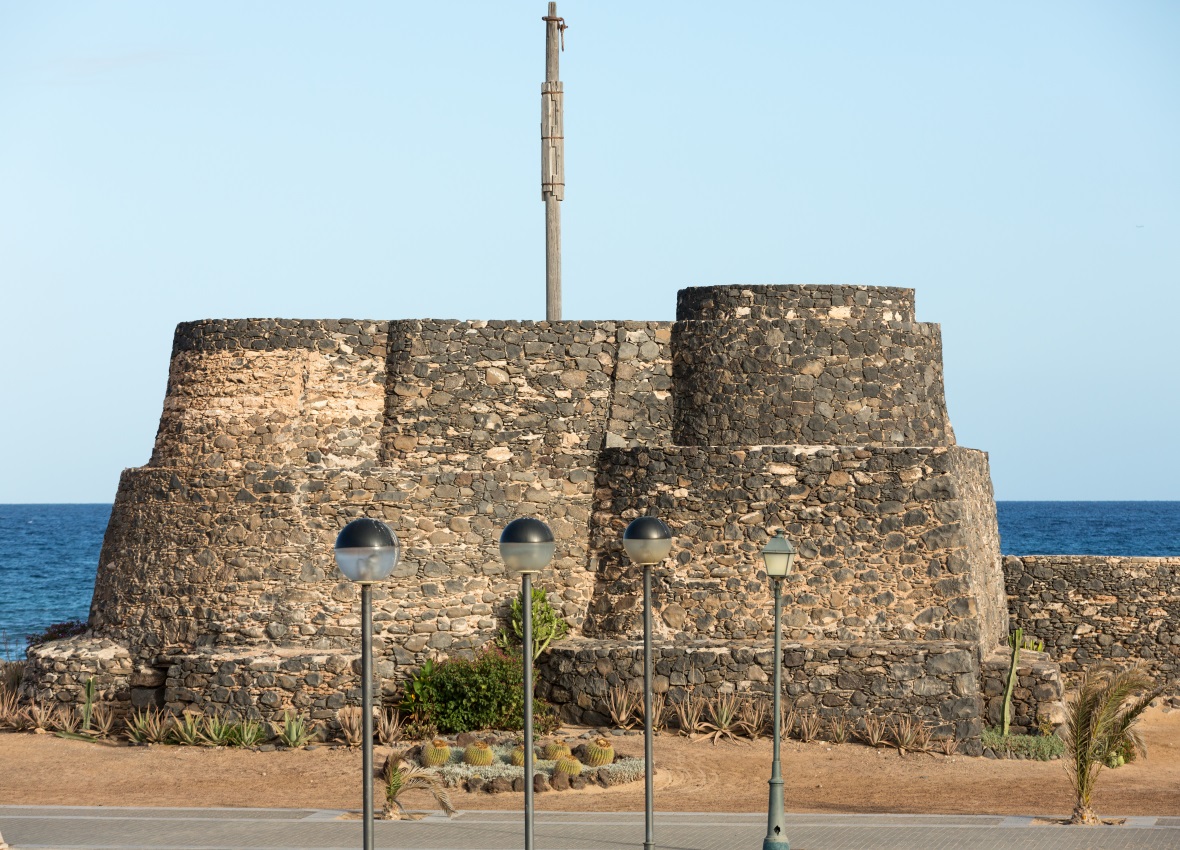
point(548, 626)
point(461, 695)
point(1038, 747)
point(418, 689)
point(57, 631)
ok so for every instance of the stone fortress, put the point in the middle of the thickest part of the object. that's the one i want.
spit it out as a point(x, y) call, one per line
point(815, 409)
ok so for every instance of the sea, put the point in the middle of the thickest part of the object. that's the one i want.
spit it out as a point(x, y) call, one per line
point(49, 553)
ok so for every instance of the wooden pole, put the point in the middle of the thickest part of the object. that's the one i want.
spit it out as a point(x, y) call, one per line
point(552, 162)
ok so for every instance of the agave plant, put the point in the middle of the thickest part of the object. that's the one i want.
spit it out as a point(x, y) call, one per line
point(39, 716)
point(9, 710)
point(910, 734)
point(874, 730)
point(102, 721)
point(389, 727)
point(809, 726)
point(148, 726)
point(690, 714)
point(755, 711)
point(65, 720)
point(186, 729)
point(400, 776)
point(216, 731)
point(659, 711)
point(724, 719)
point(1100, 719)
point(248, 733)
point(294, 731)
point(839, 729)
point(622, 705)
point(350, 721)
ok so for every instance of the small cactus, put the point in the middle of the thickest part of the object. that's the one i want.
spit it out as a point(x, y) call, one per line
point(517, 757)
point(556, 749)
point(568, 765)
point(436, 753)
point(478, 753)
point(599, 752)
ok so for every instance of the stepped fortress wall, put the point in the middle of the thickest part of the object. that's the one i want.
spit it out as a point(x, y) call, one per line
point(817, 410)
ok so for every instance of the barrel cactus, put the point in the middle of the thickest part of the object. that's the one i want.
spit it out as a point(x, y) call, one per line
point(436, 753)
point(517, 757)
point(599, 752)
point(568, 765)
point(478, 753)
point(556, 749)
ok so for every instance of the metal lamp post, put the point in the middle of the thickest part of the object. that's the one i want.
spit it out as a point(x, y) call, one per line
point(527, 545)
point(779, 556)
point(647, 541)
point(367, 551)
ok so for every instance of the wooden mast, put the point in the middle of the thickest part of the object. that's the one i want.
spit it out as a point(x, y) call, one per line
point(552, 161)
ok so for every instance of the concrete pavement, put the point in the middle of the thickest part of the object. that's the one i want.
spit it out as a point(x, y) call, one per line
point(109, 828)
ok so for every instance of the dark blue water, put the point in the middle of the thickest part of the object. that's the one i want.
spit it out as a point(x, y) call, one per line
point(1089, 528)
point(48, 553)
point(48, 557)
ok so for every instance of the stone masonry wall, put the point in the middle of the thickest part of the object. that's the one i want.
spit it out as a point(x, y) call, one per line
point(938, 681)
point(252, 393)
point(754, 303)
point(495, 387)
point(257, 569)
point(58, 672)
point(217, 574)
point(826, 379)
point(1093, 608)
point(1038, 697)
point(883, 537)
point(275, 434)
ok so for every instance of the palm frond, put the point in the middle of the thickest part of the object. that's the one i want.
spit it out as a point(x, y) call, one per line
point(401, 777)
point(1100, 720)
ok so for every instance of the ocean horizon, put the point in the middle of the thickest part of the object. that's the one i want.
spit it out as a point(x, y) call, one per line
point(49, 578)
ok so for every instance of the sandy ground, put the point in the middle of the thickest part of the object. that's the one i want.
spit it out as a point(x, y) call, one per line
point(691, 776)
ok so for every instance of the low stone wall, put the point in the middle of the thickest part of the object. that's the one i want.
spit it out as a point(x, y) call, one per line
point(1038, 697)
point(1099, 608)
point(938, 681)
point(57, 672)
point(267, 684)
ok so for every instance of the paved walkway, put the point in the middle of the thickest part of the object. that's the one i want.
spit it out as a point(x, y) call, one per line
point(66, 828)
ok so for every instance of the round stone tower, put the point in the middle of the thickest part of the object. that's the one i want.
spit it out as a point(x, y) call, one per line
point(806, 365)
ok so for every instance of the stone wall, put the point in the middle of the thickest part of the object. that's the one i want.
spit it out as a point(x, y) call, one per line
point(267, 685)
point(938, 681)
point(1093, 608)
point(277, 433)
point(1038, 696)
point(884, 536)
point(772, 373)
point(216, 573)
point(755, 303)
point(545, 387)
point(57, 672)
point(271, 392)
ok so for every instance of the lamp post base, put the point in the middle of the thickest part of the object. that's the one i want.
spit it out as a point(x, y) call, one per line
point(776, 834)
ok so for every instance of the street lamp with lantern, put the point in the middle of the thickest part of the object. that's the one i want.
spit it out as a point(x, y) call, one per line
point(366, 551)
point(527, 546)
point(648, 542)
point(779, 556)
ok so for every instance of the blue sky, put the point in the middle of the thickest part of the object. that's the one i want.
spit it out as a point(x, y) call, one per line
point(1017, 164)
